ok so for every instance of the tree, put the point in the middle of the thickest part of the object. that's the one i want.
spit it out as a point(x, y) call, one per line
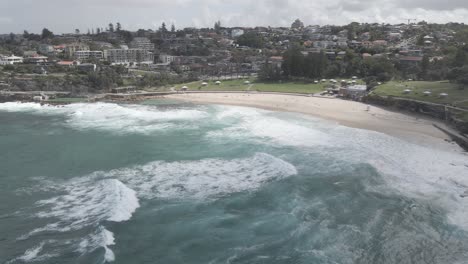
point(460, 58)
point(98, 31)
point(424, 67)
point(269, 72)
point(217, 26)
point(111, 27)
point(77, 31)
point(293, 62)
point(119, 27)
point(251, 39)
point(173, 29)
point(46, 34)
point(315, 65)
point(297, 24)
point(163, 28)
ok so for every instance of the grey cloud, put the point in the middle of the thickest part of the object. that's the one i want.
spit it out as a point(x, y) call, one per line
point(433, 4)
point(66, 15)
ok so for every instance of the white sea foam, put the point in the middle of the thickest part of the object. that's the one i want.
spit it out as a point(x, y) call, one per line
point(102, 238)
point(33, 255)
point(264, 124)
point(434, 175)
point(19, 107)
point(87, 202)
point(421, 172)
point(204, 178)
point(111, 117)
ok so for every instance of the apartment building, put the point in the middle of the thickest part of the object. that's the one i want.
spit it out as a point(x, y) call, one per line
point(88, 54)
point(128, 56)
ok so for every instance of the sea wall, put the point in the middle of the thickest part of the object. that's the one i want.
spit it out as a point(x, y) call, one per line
point(451, 115)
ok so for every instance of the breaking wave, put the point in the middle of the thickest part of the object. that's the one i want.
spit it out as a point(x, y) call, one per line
point(111, 117)
point(86, 204)
point(204, 178)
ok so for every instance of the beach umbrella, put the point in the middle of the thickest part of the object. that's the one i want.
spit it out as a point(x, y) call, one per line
point(217, 82)
point(354, 77)
point(204, 84)
point(407, 91)
point(427, 93)
point(316, 82)
point(443, 95)
point(247, 82)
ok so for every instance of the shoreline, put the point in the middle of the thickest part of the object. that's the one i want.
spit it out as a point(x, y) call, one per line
point(411, 128)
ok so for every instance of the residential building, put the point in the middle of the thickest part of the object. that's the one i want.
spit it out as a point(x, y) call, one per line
point(128, 56)
point(70, 49)
point(237, 32)
point(10, 60)
point(166, 58)
point(142, 43)
point(36, 60)
point(88, 54)
point(46, 49)
point(86, 67)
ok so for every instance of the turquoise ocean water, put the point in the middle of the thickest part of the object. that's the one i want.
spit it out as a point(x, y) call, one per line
point(169, 182)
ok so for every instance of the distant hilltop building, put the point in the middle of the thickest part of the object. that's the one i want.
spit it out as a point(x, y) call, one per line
point(237, 32)
point(88, 54)
point(122, 56)
point(141, 43)
point(10, 60)
point(70, 49)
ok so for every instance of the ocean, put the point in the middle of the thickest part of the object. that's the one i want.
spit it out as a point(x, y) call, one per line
point(171, 182)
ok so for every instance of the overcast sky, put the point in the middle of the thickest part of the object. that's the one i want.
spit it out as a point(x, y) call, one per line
point(63, 16)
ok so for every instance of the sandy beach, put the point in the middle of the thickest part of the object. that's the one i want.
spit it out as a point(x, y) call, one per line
point(411, 128)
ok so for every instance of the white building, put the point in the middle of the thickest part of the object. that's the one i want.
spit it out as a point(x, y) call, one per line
point(237, 32)
point(128, 56)
point(10, 60)
point(88, 54)
point(72, 48)
point(166, 58)
point(141, 43)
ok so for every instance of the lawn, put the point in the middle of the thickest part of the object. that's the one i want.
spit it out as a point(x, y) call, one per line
point(455, 96)
point(255, 85)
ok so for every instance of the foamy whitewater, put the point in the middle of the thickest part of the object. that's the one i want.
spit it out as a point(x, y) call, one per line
point(172, 182)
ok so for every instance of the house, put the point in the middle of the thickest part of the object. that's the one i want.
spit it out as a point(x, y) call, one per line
point(86, 67)
point(46, 49)
point(67, 63)
point(379, 43)
point(410, 60)
point(237, 32)
point(341, 55)
point(36, 59)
